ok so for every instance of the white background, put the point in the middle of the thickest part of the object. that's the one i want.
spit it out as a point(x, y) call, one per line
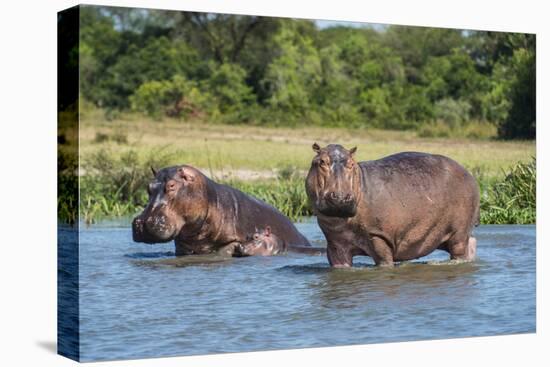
point(28, 181)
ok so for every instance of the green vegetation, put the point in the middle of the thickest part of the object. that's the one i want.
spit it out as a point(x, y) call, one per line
point(116, 171)
point(275, 71)
point(117, 189)
point(513, 199)
point(244, 97)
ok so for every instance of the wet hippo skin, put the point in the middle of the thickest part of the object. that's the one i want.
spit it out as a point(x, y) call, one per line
point(202, 216)
point(397, 208)
point(266, 243)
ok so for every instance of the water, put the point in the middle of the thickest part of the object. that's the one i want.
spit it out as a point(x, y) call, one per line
point(138, 301)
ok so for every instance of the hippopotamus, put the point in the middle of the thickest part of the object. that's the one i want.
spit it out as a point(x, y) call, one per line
point(203, 217)
point(262, 243)
point(265, 243)
point(397, 208)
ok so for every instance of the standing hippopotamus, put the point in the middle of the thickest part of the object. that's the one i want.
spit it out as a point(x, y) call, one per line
point(202, 216)
point(265, 243)
point(397, 208)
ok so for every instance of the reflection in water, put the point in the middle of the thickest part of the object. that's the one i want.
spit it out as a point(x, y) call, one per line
point(150, 255)
point(183, 261)
point(347, 287)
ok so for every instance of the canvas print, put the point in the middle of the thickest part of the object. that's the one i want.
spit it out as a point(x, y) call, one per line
point(235, 183)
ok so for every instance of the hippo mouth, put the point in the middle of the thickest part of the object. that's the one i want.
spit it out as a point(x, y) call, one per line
point(151, 231)
point(344, 210)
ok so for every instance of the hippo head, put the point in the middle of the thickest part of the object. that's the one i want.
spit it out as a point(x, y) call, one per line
point(333, 181)
point(177, 200)
point(261, 243)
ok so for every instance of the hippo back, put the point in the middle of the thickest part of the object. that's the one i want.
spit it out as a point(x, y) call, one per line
point(412, 185)
point(244, 214)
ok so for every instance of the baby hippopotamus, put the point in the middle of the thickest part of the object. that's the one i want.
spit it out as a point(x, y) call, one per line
point(265, 243)
point(262, 243)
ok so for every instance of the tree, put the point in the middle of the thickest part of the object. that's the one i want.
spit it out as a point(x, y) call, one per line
point(177, 97)
point(159, 59)
point(293, 74)
point(521, 120)
point(415, 45)
point(224, 35)
point(227, 84)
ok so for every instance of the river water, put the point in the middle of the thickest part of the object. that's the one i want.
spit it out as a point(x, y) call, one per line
point(137, 300)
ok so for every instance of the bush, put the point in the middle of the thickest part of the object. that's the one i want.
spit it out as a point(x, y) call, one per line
point(521, 119)
point(287, 195)
point(469, 130)
point(452, 112)
point(479, 130)
point(512, 200)
point(434, 130)
point(177, 97)
point(227, 84)
point(115, 185)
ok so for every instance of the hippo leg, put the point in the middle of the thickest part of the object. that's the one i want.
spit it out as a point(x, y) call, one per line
point(381, 252)
point(339, 256)
point(472, 247)
point(463, 250)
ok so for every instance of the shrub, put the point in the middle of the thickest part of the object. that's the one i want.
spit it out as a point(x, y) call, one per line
point(227, 84)
point(287, 195)
point(115, 185)
point(452, 112)
point(512, 200)
point(177, 97)
point(434, 130)
point(101, 137)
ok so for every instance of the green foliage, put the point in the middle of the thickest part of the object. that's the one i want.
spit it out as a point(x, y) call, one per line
point(512, 200)
point(452, 112)
point(521, 119)
point(287, 195)
point(178, 97)
point(114, 185)
point(259, 70)
point(228, 85)
point(416, 45)
point(292, 74)
point(469, 130)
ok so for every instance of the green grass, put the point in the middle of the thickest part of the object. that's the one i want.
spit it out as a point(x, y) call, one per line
point(270, 163)
point(511, 200)
point(115, 187)
point(228, 147)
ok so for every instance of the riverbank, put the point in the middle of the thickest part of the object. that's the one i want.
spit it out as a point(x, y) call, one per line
point(271, 163)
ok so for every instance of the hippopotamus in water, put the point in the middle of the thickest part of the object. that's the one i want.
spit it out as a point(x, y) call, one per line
point(262, 243)
point(397, 208)
point(265, 243)
point(202, 216)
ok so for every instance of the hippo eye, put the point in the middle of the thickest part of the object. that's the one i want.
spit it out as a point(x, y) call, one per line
point(256, 237)
point(323, 162)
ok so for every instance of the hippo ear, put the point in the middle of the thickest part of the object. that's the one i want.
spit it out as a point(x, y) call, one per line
point(353, 150)
point(267, 231)
point(154, 171)
point(316, 148)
